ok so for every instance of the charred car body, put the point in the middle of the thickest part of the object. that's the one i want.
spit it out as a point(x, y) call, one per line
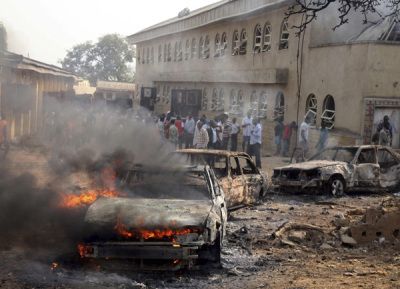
point(236, 172)
point(172, 218)
point(339, 169)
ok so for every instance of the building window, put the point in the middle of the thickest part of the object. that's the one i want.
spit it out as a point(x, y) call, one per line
point(167, 96)
point(152, 55)
point(263, 105)
point(159, 53)
point(224, 43)
point(187, 50)
point(143, 57)
point(235, 43)
point(284, 40)
point(193, 53)
point(257, 39)
point(180, 51)
point(201, 47)
point(204, 102)
point(243, 42)
point(329, 112)
point(254, 103)
point(221, 100)
point(176, 52)
point(267, 38)
point(138, 56)
point(279, 111)
point(311, 109)
point(148, 55)
point(214, 100)
point(206, 53)
point(232, 102)
point(165, 53)
point(169, 58)
point(217, 46)
point(240, 103)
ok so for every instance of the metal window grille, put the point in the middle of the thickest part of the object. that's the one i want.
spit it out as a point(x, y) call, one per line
point(224, 42)
point(253, 103)
point(221, 101)
point(236, 43)
point(243, 42)
point(206, 53)
point(267, 38)
point(204, 102)
point(257, 39)
point(284, 41)
point(214, 100)
point(263, 105)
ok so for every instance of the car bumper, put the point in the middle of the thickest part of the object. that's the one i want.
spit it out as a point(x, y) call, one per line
point(315, 183)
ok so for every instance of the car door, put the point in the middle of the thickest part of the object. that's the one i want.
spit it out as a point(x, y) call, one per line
point(366, 169)
point(236, 183)
point(389, 169)
point(252, 179)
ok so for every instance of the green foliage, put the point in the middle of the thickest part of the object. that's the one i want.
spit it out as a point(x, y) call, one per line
point(3, 37)
point(108, 59)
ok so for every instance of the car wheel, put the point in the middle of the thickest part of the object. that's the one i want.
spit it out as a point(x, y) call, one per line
point(337, 186)
point(215, 250)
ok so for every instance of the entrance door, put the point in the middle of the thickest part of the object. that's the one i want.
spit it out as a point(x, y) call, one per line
point(186, 102)
point(394, 119)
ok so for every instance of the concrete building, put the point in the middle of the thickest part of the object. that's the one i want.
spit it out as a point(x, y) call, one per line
point(115, 94)
point(27, 87)
point(239, 55)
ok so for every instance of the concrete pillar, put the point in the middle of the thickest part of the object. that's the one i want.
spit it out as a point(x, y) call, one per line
point(39, 108)
point(26, 122)
point(11, 124)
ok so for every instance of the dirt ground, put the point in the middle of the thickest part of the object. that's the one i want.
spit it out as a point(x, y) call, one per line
point(252, 257)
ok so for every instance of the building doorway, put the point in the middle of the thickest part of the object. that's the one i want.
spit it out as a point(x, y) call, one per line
point(394, 119)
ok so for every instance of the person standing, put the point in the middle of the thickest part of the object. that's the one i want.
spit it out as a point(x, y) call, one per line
point(389, 125)
point(212, 135)
point(279, 127)
point(286, 137)
point(226, 134)
point(202, 136)
point(323, 137)
point(234, 134)
point(255, 141)
point(189, 131)
point(3, 135)
point(384, 135)
point(160, 125)
point(303, 139)
point(179, 125)
point(246, 125)
point(173, 134)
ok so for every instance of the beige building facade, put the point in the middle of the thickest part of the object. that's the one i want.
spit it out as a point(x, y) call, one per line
point(240, 55)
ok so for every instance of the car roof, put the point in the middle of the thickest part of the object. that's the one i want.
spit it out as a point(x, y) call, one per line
point(211, 152)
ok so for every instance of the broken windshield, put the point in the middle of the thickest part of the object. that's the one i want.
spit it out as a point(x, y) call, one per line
point(335, 154)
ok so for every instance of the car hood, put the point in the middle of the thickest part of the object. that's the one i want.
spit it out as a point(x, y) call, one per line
point(311, 165)
point(149, 213)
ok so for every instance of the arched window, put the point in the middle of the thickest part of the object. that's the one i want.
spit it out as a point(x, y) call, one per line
point(159, 53)
point(279, 111)
point(148, 55)
point(169, 53)
point(232, 102)
point(204, 102)
point(254, 103)
point(138, 56)
point(224, 44)
point(266, 37)
point(167, 97)
point(201, 47)
point(180, 51)
point(311, 109)
point(143, 57)
point(235, 43)
point(214, 100)
point(262, 105)
point(206, 53)
point(164, 95)
point(176, 51)
point(217, 46)
point(240, 103)
point(257, 39)
point(329, 112)
point(165, 53)
point(243, 42)
point(221, 100)
point(187, 50)
point(284, 40)
point(152, 55)
point(193, 53)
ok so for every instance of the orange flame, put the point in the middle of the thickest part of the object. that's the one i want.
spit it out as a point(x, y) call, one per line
point(139, 232)
point(55, 265)
point(107, 179)
point(83, 250)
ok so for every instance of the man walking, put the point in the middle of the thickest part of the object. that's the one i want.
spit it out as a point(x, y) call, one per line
point(3, 135)
point(246, 125)
point(255, 141)
point(303, 139)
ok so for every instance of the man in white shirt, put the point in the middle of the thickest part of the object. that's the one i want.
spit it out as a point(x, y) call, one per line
point(255, 141)
point(246, 125)
point(234, 134)
point(303, 139)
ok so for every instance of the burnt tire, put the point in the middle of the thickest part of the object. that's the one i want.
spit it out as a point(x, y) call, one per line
point(336, 186)
point(215, 251)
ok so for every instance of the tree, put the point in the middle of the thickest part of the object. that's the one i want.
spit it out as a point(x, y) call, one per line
point(108, 59)
point(310, 9)
point(3, 37)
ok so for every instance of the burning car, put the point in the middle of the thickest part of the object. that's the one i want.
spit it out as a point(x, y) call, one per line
point(339, 169)
point(172, 217)
point(240, 179)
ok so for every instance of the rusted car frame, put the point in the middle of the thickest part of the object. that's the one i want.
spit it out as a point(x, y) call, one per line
point(159, 233)
point(242, 182)
point(339, 169)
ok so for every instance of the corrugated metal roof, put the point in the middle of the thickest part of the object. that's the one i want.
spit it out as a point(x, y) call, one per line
point(114, 86)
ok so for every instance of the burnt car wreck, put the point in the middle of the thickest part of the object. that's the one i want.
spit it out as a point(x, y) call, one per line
point(336, 170)
point(172, 218)
point(242, 182)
